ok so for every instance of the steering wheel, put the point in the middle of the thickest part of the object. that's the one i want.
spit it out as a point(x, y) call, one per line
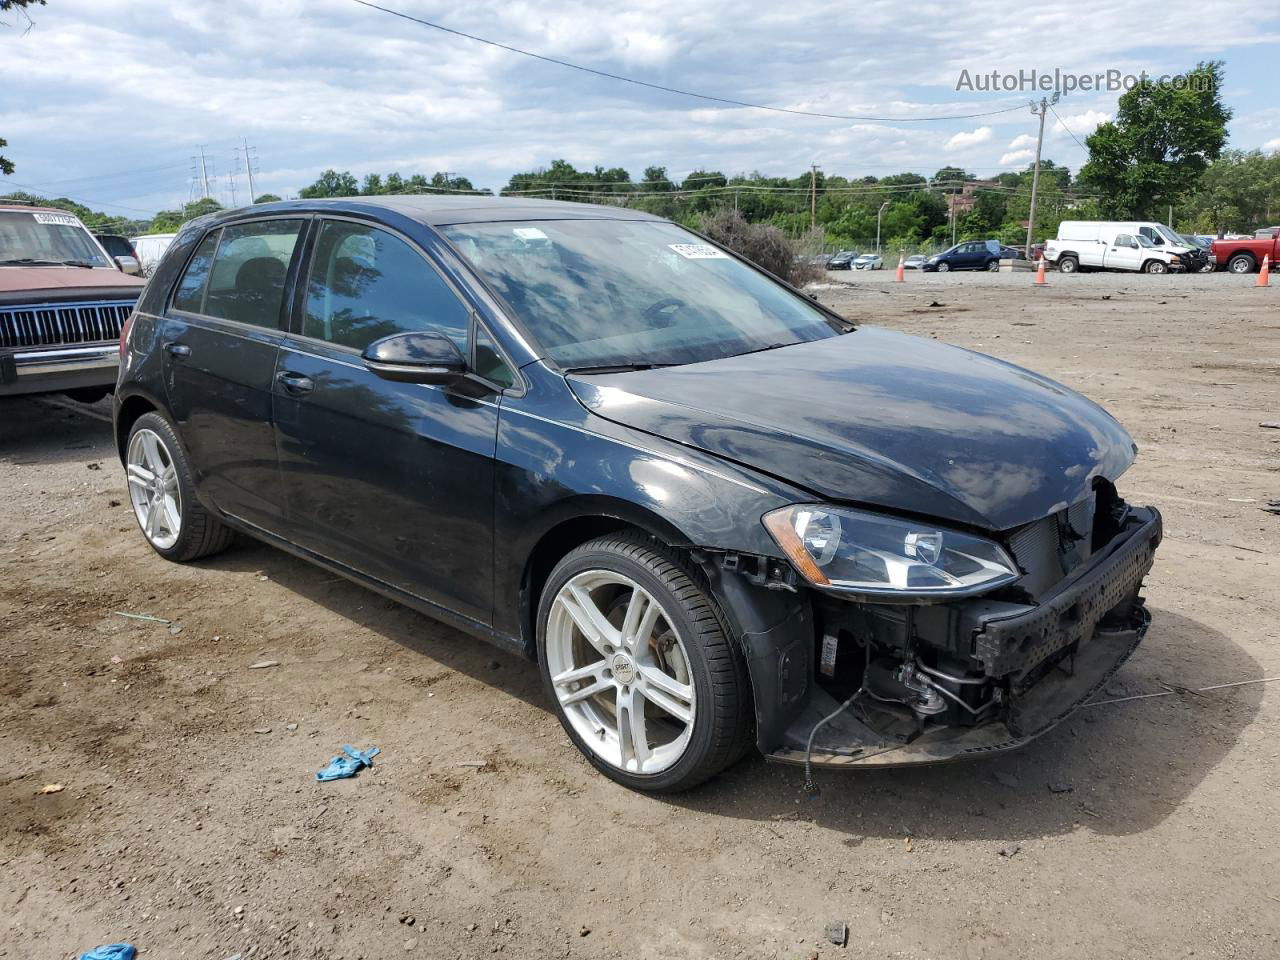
point(661, 306)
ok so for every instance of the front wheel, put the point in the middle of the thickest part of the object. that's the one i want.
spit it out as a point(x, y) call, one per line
point(162, 493)
point(944, 267)
point(1156, 266)
point(639, 664)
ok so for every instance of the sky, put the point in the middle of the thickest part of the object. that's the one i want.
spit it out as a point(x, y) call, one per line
point(109, 101)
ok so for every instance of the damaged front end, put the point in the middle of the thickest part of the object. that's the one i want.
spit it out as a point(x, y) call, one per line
point(866, 677)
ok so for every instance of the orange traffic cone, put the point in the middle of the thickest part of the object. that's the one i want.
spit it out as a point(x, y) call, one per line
point(1264, 275)
point(902, 271)
point(1040, 280)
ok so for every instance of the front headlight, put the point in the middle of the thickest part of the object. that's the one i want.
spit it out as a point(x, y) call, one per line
point(867, 553)
point(933, 260)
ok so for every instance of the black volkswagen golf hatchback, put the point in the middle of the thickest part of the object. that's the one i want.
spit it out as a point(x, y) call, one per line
point(708, 509)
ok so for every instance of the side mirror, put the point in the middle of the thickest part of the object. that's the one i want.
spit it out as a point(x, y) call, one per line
point(128, 265)
point(416, 358)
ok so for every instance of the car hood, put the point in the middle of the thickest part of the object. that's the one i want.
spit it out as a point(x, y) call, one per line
point(15, 279)
point(883, 419)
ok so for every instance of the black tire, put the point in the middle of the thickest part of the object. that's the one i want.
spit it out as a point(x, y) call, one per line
point(201, 534)
point(723, 726)
point(1155, 266)
point(1241, 263)
point(994, 266)
point(1068, 264)
point(944, 267)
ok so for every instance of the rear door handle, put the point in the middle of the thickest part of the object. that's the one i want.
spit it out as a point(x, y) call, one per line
point(295, 382)
point(179, 350)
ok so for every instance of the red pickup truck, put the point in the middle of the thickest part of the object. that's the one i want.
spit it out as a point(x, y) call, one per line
point(1245, 256)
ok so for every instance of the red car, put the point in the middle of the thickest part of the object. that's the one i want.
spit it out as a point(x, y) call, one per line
point(1245, 256)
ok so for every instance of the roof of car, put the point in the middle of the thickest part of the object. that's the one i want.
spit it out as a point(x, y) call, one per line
point(437, 210)
point(12, 207)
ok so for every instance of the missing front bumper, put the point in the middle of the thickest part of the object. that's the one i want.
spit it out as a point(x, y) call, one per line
point(1055, 656)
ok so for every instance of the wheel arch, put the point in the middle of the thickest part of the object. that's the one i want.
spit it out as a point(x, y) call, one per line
point(128, 408)
point(571, 524)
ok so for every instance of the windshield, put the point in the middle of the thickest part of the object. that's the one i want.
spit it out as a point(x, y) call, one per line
point(601, 293)
point(1170, 236)
point(1143, 241)
point(45, 237)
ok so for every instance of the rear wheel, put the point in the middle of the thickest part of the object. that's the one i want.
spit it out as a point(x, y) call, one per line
point(1155, 266)
point(1241, 263)
point(1068, 264)
point(639, 664)
point(162, 492)
point(994, 266)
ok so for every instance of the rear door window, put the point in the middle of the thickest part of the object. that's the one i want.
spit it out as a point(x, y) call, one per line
point(247, 280)
point(367, 284)
point(189, 295)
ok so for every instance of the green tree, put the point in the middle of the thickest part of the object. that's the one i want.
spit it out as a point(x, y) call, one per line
point(1158, 147)
point(956, 175)
point(371, 185)
point(1239, 191)
point(331, 184)
point(268, 198)
point(6, 165)
point(167, 221)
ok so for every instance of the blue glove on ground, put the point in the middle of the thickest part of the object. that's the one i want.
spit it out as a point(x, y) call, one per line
point(112, 951)
point(346, 764)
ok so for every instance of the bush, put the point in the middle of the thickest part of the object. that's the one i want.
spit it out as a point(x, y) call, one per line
point(763, 245)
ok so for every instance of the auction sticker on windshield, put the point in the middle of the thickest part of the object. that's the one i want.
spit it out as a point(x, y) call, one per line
point(698, 251)
point(59, 218)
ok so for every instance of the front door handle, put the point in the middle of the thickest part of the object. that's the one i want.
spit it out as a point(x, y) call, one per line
point(295, 382)
point(178, 350)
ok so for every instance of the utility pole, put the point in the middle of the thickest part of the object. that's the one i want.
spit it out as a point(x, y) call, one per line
point(879, 214)
point(813, 196)
point(1170, 223)
point(1045, 103)
point(248, 166)
point(447, 174)
point(204, 173)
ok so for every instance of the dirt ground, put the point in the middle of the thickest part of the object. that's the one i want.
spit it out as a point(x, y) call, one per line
point(191, 824)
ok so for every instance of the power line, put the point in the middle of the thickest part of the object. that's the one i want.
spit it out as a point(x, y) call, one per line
point(666, 89)
point(1068, 129)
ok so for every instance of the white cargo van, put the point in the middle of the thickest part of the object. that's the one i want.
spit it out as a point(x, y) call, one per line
point(1117, 245)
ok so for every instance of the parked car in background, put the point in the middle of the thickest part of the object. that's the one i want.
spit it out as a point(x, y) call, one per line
point(62, 304)
point(150, 249)
point(708, 509)
point(869, 261)
point(121, 251)
point(820, 260)
point(1105, 245)
point(1246, 255)
point(843, 260)
point(970, 255)
point(914, 262)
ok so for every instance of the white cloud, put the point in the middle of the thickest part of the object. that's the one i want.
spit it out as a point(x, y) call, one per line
point(1021, 141)
point(1016, 158)
point(1081, 124)
point(971, 138)
point(1271, 146)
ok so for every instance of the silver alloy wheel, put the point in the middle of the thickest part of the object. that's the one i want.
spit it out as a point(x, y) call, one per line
point(621, 672)
point(153, 489)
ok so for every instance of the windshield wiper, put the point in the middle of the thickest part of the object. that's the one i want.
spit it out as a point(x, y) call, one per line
point(619, 367)
point(772, 346)
point(32, 262)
